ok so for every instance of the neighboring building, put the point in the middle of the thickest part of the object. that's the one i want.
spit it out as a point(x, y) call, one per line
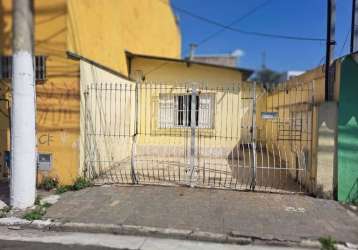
point(226, 60)
point(288, 75)
point(100, 30)
point(230, 60)
point(330, 128)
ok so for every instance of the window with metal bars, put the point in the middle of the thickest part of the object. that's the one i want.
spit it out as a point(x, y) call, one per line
point(6, 68)
point(183, 111)
point(40, 68)
point(175, 111)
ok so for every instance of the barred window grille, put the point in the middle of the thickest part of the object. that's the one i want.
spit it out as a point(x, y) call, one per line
point(166, 111)
point(206, 114)
point(40, 68)
point(175, 111)
point(6, 68)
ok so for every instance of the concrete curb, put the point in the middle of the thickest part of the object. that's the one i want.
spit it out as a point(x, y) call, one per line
point(231, 238)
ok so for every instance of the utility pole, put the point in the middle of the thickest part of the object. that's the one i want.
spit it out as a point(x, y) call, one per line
point(330, 42)
point(354, 27)
point(23, 133)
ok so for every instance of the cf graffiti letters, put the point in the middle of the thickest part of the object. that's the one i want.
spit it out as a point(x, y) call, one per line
point(45, 139)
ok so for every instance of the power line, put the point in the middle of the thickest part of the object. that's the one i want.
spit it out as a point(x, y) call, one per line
point(246, 32)
point(236, 21)
point(340, 51)
point(321, 60)
point(218, 32)
point(344, 44)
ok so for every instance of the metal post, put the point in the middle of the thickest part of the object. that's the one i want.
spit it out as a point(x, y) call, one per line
point(330, 42)
point(135, 134)
point(85, 140)
point(23, 145)
point(253, 138)
point(354, 27)
point(192, 140)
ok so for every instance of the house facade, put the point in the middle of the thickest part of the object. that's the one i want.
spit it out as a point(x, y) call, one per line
point(101, 30)
point(170, 112)
point(188, 122)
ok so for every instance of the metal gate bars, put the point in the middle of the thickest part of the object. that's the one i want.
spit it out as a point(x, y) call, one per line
point(202, 135)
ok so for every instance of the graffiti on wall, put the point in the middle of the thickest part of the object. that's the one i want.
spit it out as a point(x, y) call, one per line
point(58, 107)
point(45, 139)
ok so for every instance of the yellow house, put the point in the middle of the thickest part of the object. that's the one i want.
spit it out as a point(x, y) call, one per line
point(220, 92)
point(101, 30)
point(150, 129)
point(115, 103)
point(141, 129)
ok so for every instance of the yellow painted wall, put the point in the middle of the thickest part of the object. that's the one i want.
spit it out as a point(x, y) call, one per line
point(5, 41)
point(164, 71)
point(103, 29)
point(98, 29)
point(224, 85)
point(57, 97)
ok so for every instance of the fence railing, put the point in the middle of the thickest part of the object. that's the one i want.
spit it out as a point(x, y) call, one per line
point(196, 134)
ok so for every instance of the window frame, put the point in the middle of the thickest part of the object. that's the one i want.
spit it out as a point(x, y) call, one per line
point(175, 111)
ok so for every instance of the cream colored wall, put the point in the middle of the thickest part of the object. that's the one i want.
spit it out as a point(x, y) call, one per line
point(326, 149)
point(107, 106)
point(103, 29)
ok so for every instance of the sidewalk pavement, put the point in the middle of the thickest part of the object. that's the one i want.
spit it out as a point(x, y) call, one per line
point(262, 216)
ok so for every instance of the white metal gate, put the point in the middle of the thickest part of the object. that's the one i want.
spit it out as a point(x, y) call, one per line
point(188, 134)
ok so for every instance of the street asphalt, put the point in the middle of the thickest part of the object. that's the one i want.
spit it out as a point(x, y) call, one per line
point(21, 245)
point(42, 240)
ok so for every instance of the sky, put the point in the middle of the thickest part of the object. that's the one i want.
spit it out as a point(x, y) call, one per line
point(285, 17)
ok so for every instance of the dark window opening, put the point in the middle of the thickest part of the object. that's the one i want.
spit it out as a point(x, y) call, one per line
point(6, 68)
point(184, 110)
